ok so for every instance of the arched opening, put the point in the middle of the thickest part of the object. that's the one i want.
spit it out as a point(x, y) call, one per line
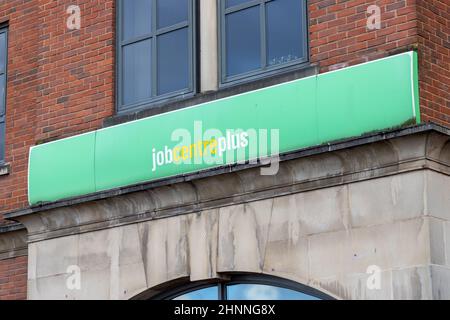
point(241, 287)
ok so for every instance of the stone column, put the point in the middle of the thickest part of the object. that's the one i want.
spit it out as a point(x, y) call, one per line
point(208, 45)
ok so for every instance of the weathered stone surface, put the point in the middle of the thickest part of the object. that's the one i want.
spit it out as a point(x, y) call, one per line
point(54, 256)
point(131, 281)
point(387, 200)
point(396, 245)
point(164, 247)
point(54, 288)
point(249, 183)
point(243, 232)
point(319, 211)
point(210, 189)
point(287, 258)
point(438, 147)
point(412, 284)
point(323, 221)
point(116, 253)
point(311, 168)
point(447, 243)
point(173, 196)
point(95, 283)
point(203, 246)
point(438, 195)
point(437, 241)
point(96, 250)
point(13, 241)
point(136, 203)
point(440, 277)
point(355, 287)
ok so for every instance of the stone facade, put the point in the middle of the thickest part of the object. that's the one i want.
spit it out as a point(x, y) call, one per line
point(330, 214)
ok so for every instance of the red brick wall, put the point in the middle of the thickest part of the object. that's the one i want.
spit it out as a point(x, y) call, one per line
point(23, 36)
point(76, 74)
point(60, 84)
point(339, 35)
point(13, 279)
point(434, 52)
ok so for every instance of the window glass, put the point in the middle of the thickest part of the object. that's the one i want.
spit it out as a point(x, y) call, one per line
point(247, 287)
point(260, 37)
point(2, 94)
point(211, 293)
point(264, 292)
point(2, 141)
point(137, 72)
point(3, 62)
point(284, 31)
point(156, 42)
point(173, 61)
point(243, 36)
point(2, 52)
point(171, 12)
point(136, 18)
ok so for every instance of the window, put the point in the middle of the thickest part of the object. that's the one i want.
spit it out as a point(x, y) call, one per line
point(155, 51)
point(260, 37)
point(3, 65)
point(245, 287)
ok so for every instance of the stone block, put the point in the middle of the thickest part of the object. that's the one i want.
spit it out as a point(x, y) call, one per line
point(164, 247)
point(53, 257)
point(397, 245)
point(385, 200)
point(412, 283)
point(437, 195)
point(243, 232)
point(202, 238)
point(440, 279)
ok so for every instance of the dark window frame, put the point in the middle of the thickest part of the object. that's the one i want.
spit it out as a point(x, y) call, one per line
point(237, 279)
point(156, 100)
point(266, 71)
point(4, 30)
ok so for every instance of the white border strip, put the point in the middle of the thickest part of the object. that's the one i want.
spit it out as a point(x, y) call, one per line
point(413, 88)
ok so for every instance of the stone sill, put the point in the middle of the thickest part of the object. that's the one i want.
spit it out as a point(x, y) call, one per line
point(13, 241)
point(4, 169)
point(11, 227)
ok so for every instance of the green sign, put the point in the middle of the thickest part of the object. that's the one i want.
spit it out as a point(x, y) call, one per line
point(303, 113)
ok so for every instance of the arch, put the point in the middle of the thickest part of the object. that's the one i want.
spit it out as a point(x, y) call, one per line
point(228, 287)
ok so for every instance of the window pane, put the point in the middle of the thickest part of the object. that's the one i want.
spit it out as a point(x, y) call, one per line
point(137, 72)
point(2, 94)
point(211, 293)
point(264, 292)
point(171, 12)
point(231, 3)
point(2, 141)
point(136, 18)
point(243, 41)
point(173, 61)
point(2, 52)
point(284, 31)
